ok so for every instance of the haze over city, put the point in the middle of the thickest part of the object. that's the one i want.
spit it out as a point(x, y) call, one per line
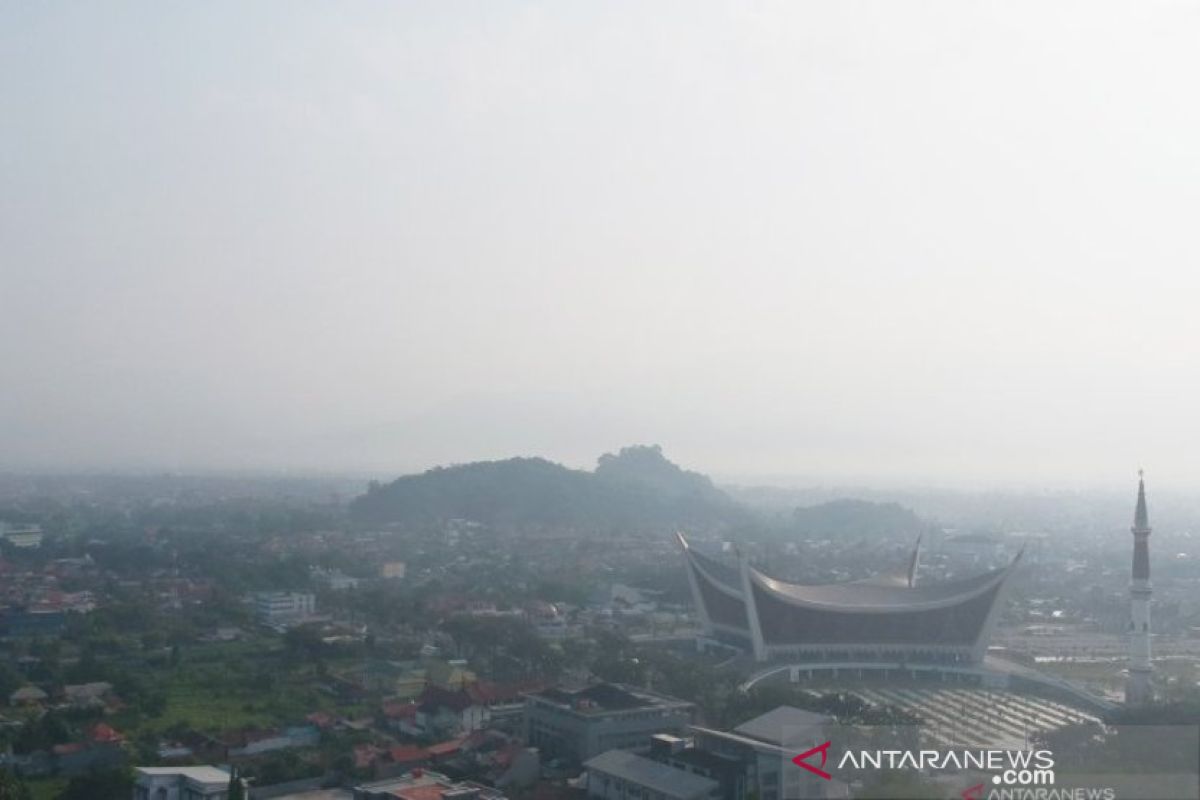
point(499, 400)
point(945, 242)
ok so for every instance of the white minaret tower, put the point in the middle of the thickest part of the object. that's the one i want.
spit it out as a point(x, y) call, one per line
point(1137, 687)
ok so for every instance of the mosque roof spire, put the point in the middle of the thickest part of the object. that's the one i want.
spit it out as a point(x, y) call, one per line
point(1141, 517)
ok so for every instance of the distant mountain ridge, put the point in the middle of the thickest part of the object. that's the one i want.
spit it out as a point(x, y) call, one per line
point(854, 518)
point(636, 488)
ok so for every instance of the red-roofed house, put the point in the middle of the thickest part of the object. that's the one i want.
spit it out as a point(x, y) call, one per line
point(494, 694)
point(422, 793)
point(447, 748)
point(102, 749)
point(401, 717)
point(396, 710)
point(408, 756)
point(102, 733)
point(448, 713)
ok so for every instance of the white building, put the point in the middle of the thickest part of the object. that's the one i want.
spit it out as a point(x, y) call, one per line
point(335, 579)
point(87, 695)
point(180, 783)
point(284, 608)
point(23, 536)
point(393, 570)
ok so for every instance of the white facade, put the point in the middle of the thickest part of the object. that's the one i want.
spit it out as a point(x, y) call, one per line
point(23, 536)
point(278, 608)
point(181, 783)
point(445, 721)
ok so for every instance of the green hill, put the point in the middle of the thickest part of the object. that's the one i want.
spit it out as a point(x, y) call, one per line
point(637, 488)
point(843, 519)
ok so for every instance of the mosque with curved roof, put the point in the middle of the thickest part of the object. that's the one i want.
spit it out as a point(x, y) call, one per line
point(889, 617)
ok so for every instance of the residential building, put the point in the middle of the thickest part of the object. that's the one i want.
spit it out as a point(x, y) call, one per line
point(442, 712)
point(27, 696)
point(451, 675)
point(87, 695)
point(103, 748)
point(453, 712)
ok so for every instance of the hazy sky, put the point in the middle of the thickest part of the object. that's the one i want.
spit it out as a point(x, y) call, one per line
point(952, 241)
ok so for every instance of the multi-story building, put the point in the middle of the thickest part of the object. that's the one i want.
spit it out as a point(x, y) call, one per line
point(23, 536)
point(180, 783)
point(284, 608)
point(754, 759)
point(581, 724)
point(335, 579)
point(751, 761)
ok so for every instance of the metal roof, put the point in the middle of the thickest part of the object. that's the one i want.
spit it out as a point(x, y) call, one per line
point(881, 597)
point(888, 592)
point(658, 777)
point(776, 725)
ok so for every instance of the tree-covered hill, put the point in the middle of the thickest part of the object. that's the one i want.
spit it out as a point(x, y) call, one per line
point(637, 488)
point(840, 519)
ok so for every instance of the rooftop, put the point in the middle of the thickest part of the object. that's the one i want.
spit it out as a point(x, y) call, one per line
point(425, 785)
point(203, 774)
point(866, 595)
point(886, 592)
point(777, 726)
point(605, 697)
point(651, 774)
point(703, 759)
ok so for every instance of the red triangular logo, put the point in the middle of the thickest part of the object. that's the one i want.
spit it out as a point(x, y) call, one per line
point(823, 749)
